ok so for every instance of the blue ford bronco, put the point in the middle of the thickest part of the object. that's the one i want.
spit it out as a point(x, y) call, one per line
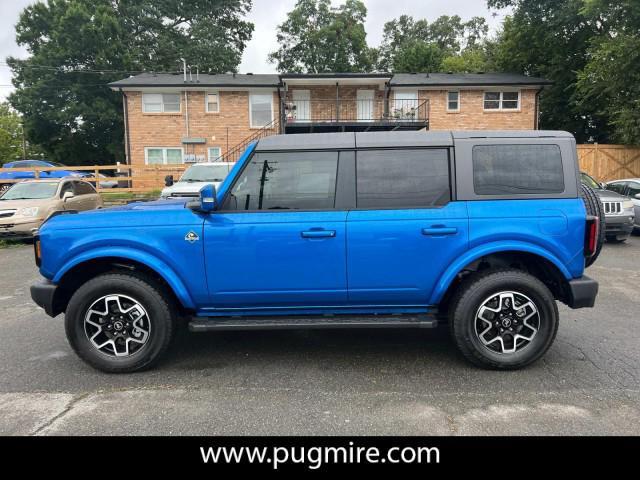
point(484, 231)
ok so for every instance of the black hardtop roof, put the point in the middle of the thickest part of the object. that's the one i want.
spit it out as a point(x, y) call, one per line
point(348, 140)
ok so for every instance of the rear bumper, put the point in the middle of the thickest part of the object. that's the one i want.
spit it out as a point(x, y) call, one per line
point(43, 294)
point(582, 292)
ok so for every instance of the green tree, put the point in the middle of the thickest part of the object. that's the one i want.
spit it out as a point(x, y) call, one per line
point(317, 38)
point(76, 47)
point(12, 144)
point(551, 39)
point(611, 76)
point(447, 43)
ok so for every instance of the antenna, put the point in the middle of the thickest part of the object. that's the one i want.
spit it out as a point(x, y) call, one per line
point(184, 68)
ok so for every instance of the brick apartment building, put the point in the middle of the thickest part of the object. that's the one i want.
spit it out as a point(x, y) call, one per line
point(175, 118)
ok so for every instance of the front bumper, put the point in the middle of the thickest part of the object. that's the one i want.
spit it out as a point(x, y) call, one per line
point(19, 229)
point(44, 295)
point(582, 292)
point(619, 224)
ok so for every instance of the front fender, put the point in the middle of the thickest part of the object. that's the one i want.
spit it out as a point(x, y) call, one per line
point(487, 249)
point(151, 261)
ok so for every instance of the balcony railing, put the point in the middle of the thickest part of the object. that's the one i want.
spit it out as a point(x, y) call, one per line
point(352, 110)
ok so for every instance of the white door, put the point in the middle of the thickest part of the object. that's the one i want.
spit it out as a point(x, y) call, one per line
point(302, 103)
point(364, 99)
point(405, 105)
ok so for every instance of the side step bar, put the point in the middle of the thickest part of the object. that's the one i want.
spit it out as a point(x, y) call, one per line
point(207, 324)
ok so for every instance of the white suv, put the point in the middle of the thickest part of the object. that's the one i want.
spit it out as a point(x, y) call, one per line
point(195, 177)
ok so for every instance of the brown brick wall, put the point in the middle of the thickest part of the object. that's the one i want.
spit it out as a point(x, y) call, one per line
point(472, 114)
point(229, 126)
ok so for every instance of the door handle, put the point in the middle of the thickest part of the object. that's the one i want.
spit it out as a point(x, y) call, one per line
point(438, 231)
point(318, 233)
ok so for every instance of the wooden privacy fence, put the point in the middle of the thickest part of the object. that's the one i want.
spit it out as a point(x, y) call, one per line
point(609, 162)
point(604, 162)
point(130, 178)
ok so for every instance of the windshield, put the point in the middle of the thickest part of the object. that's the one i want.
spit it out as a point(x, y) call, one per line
point(588, 180)
point(35, 190)
point(206, 173)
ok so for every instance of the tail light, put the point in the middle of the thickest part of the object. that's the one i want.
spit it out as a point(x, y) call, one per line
point(591, 236)
point(36, 250)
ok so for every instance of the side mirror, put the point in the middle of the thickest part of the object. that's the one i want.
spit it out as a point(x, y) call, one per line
point(637, 196)
point(168, 180)
point(603, 185)
point(207, 201)
point(67, 195)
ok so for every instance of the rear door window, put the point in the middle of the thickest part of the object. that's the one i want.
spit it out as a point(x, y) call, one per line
point(617, 187)
point(406, 178)
point(286, 181)
point(517, 169)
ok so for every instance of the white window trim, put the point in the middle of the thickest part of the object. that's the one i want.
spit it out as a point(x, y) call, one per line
point(206, 101)
point(179, 112)
point(456, 110)
point(164, 155)
point(500, 109)
point(209, 153)
point(251, 125)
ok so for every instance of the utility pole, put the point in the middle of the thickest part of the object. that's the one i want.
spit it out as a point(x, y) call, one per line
point(24, 143)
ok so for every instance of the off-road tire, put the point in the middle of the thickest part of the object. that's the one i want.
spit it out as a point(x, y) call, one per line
point(594, 207)
point(161, 313)
point(478, 287)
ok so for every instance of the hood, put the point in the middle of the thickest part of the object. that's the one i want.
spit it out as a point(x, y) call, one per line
point(134, 215)
point(186, 187)
point(609, 196)
point(16, 204)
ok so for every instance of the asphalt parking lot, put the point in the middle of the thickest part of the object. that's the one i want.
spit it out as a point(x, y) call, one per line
point(327, 382)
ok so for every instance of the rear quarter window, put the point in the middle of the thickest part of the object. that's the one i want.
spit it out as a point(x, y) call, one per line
point(517, 169)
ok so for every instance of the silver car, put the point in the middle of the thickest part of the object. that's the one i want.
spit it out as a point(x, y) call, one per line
point(629, 187)
point(620, 217)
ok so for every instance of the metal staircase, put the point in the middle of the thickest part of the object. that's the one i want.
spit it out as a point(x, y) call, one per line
point(234, 153)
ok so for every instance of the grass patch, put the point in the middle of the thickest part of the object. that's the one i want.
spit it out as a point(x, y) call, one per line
point(11, 243)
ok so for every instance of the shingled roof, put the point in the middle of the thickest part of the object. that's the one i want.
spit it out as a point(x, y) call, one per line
point(248, 80)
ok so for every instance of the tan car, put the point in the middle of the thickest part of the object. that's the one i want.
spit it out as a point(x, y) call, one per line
point(26, 205)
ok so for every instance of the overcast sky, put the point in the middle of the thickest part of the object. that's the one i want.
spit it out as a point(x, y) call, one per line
point(266, 15)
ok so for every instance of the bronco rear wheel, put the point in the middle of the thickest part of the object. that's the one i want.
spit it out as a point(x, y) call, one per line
point(119, 322)
point(503, 319)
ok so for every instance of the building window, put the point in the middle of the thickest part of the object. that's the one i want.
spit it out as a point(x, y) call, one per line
point(501, 100)
point(161, 102)
point(214, 153)
point(212, 101)
point(162, 155)
point(453, 101)
point(260, 109)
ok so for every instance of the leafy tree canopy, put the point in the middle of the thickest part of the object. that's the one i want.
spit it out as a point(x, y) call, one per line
point(317, 38)
point(76, 47)
point(410, 45)
point(12, 144)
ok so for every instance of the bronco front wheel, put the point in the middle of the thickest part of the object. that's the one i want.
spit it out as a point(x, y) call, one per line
point(119, 322)
point(503, 319)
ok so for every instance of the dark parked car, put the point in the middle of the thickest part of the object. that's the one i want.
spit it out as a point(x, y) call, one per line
point(618, 210)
